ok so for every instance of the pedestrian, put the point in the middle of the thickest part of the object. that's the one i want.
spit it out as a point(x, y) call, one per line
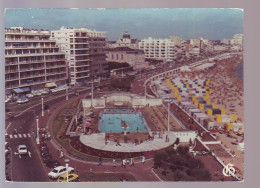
point(124, 163)
point(132, 163)
point(100, 161)
point(114, 163)
point(61, 155)
point(143, 159)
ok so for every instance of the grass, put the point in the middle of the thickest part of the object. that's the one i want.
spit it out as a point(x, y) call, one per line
point(106, 177)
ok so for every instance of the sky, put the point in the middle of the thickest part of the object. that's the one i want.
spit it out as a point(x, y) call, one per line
point(187, 23)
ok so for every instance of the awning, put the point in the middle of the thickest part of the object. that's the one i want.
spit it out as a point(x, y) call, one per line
point(50, 85)
point(21, 90)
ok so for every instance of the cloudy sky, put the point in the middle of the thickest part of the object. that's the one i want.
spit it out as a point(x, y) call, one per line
point(186, 23)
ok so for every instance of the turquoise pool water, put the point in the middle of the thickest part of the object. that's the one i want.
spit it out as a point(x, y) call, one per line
point(113, 122)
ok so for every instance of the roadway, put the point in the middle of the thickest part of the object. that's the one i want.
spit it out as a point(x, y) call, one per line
point(26, 168)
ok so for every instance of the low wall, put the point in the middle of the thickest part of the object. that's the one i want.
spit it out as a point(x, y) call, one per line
point(185, 136)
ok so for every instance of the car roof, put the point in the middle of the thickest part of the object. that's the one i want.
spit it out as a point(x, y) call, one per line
point(59, 167)
point(22, 145)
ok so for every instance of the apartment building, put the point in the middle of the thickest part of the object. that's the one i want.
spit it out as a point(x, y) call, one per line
point(32, 59)
point(159, 49)
point(237, 40)
point(85, 53)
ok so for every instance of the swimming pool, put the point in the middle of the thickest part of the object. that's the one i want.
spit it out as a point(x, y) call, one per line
point(112, 122)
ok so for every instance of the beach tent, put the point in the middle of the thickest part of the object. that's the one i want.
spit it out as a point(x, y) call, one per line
point(241, 146)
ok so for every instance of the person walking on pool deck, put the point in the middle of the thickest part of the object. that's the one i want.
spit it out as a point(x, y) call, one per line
point(114, 163)
point(100, 161)
point(132, 163)
point(143, 159)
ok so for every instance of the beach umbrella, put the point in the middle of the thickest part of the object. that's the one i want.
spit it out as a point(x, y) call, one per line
point(88, 124)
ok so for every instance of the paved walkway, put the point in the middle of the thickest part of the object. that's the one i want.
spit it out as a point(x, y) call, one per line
point(97, 141)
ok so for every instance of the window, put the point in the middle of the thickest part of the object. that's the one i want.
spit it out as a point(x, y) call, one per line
point(112, 56)
point(122, 56)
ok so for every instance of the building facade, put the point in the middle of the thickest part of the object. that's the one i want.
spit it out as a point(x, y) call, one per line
point(160, 49)
point(237, 41)
point(84, 51)
point(135, 58)
point(125, 41)
point(32, 59)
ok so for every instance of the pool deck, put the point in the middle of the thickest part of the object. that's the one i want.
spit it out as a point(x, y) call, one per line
point(97, 141)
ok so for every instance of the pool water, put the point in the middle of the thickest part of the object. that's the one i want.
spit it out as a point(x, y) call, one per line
point(113, 122)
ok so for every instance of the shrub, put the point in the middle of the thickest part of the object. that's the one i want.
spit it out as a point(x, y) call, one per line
point(183, 150)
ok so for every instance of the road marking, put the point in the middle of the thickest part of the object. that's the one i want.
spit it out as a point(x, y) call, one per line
point(29, 135)
point(20, 136)
point(15, 135)
point(8, 126)
point(24, 135)
point(11, 136)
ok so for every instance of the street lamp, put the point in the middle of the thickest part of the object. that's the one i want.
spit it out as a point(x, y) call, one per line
point(168, 116)
point(67, 166)
point(37, 131)
point(67, 96)
point(42, 108)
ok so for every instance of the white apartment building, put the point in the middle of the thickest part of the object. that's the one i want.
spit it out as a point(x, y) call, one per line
point(237, 40)
point(177, 40)
point(32, 59)
point(84, 51)
point(160, 49)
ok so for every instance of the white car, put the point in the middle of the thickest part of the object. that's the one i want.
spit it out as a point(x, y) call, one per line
point(56, 172)
point(29, 95)
point(22, 149)
point(22, 100)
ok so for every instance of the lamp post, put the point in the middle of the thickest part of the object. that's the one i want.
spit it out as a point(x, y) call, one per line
point(92, 92)
point(67, 166)
point(42, 108)
point(37, 131)
point(67, 96)
point(168, 116)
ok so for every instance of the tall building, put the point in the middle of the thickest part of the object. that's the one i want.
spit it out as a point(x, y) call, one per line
point(177, 40)
point(85, 53)
point(237, 40)
point(32, 59)
point(160, 49)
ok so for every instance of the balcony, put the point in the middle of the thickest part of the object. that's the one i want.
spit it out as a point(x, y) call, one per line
point(31, 69)
point(29, 47)
point(56, 73)
point(32, 76)
point(12, 78)
point(11, 71)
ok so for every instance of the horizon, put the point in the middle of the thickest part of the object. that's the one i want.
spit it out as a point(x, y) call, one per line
point(141, 23)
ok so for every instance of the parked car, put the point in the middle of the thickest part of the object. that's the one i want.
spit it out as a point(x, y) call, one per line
point(47, 158)
point(56, 172)
point(44, 92)
point(45, 154)
point(22, 149)
point(22, 100)
point(52, 163)
point(29, 95)
point(71, 178)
